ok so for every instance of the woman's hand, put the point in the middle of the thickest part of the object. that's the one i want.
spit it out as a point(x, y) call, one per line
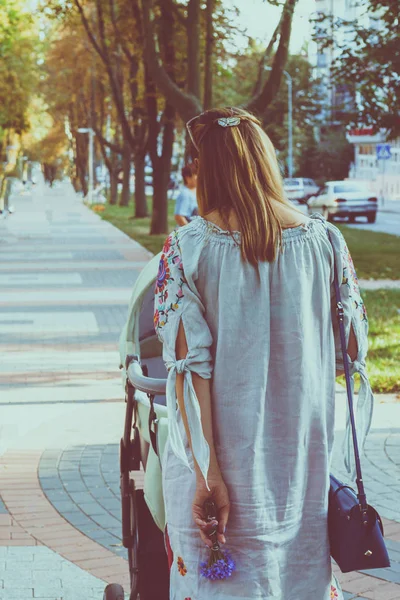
point(219, 494)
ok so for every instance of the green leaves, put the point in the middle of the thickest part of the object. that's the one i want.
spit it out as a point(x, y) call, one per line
point(368, 62)
point(18, 68)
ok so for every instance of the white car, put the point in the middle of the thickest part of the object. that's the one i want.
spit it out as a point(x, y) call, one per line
point(344, 199)
point(300, 189)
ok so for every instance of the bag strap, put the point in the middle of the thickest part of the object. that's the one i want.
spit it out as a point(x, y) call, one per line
point(340, 318)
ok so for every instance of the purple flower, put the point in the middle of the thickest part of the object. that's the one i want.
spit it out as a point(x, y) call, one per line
point(220, 569)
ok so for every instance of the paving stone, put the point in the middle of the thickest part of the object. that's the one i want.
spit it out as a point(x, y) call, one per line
point(46, 565)
point(44, 590)
point(79, 497)
point(111, 504)
point(66, 476)
point(93, 481)
point(67, 505)
point(15, 593)
point(24, 554)
point(74, 486)
point(117, 513)
point(54, 495)
point(105, 539)
point(91, 529)
point(20, 578)
point(51, 483)
point(106, 521)
point(92, 508)
point(116, 531)
point(50, 455)
point(89, 594)
point(78, 519)
point(68, 465)
point(388, 574)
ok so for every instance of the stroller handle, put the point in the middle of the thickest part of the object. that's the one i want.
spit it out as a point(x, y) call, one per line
point(148, 385)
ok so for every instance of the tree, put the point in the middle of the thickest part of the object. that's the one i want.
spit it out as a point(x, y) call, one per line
point(368, 63)
point(159, 60)
point(252, 65)
point(328, 158)
point(52, 153)
point(18, 72)
point(188, 101)
point(109, 29)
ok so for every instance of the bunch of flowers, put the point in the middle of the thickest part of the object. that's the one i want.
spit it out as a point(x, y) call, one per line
point(220, 565)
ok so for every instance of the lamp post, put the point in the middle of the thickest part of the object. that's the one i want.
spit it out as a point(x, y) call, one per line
point(91, 133)
point(289, 82)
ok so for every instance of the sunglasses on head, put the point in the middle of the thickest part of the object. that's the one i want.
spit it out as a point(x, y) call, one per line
point(223, 122)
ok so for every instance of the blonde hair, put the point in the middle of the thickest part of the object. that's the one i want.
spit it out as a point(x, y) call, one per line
point(238, 170)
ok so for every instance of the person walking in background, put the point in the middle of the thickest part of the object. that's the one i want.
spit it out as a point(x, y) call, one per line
point(186, 203)
point(243, 306)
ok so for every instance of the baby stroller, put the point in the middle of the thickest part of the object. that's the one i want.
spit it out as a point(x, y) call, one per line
point(142, 444)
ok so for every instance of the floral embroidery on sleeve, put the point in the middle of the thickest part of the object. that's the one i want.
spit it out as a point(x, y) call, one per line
point(334, 593)
point(169, 283)
point(350, 279)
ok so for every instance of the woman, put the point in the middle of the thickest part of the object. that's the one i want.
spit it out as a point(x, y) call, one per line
point(243, 307)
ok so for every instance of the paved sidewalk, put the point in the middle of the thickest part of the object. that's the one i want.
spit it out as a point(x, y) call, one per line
point(379, 284)
point(66, 277)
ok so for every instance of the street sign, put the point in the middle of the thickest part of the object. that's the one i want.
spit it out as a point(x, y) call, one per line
point(383, 151)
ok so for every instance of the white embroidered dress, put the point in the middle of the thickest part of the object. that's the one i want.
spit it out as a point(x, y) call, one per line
point(269, 346)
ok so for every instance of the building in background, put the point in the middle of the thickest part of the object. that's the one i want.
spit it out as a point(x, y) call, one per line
point(376, 158)
point(376, 162)
point(336, 97)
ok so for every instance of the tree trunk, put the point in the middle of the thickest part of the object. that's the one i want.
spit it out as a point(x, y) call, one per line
point(259, 103)
point(81, 172)
point(81, 164)
point(208, 70)
point(187, 104)
point(140, 193)
point(193, 38)
point(126, 174)
point(113, 186)
point(159, 217)
point(161, 175)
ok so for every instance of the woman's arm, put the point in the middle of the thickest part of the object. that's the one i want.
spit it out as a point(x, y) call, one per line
point(352, 349)
point(217, 488)
point(181, 220)
point(203, 393)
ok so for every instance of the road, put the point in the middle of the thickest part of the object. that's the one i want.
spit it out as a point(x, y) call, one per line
point(387, 221)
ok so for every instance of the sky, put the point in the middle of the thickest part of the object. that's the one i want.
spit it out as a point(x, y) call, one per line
point(260, 20)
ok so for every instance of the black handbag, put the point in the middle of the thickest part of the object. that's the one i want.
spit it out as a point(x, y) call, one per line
point(355, 528)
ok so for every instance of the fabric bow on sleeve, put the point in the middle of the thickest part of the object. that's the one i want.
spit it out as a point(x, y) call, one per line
point(198, 362)
point(365, 406)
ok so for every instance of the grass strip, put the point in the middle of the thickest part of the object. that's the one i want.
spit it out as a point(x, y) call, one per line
point(383, 362)
point(138, 229)
point(375, 255)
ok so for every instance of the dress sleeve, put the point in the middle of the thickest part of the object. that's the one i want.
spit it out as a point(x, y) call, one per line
point(177, 300)
point(355, 316)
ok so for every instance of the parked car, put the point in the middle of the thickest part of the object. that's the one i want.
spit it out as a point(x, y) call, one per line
point(300, 189)
point(344, 199)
